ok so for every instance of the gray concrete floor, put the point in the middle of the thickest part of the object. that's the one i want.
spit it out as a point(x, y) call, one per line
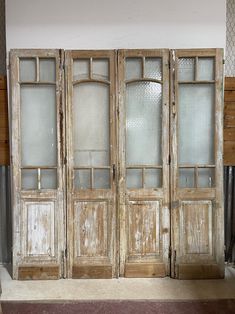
point(118, 289)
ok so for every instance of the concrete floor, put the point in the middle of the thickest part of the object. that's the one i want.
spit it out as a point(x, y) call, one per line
point(118, 289)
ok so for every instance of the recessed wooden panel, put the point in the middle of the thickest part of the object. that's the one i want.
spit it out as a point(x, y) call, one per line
point(91, 223)
point(210, 271)
point(39, 220)
point(145, 270)
point(43, 272)
point(92, 272)
point(196, 224)
point(144, 226)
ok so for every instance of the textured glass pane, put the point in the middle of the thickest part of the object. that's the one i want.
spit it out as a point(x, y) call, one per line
point(80, 69)
point(100, 69)
point(29, 179)
point(48, 179)
point(101, 178)
point(186, 178)
point(153, 68)
point(206, 69)
point(47, 70)
point(206, 178)
point(134, 178)
point(133, 68)
point(196, 124)
point(153, 178)
point(186, 69)
point(27, 70)
point(38, 126)
point(82, 179)
point(143, 123)
point(91, 124)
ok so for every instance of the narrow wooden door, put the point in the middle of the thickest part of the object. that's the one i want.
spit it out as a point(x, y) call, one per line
point(91, 157)
point(144, 162)
point(197, 164)
point(37, 163)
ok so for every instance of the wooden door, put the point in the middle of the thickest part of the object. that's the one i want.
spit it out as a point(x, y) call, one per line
point(37, 163)
point(91, 157)
point(197, 164)
point(144, 162)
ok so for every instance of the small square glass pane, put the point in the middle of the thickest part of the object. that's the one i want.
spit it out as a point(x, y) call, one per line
point(29, 179)
point(153, 68)
point(100, 69)
point(101, 178)
point(186, 178)
point(81, 69)
point(47, 70)
point(133, 68)
point(49, 179)
point(82, 179)
point(206, 178)
point(153, 178)
point(186, 69)
point(206, 69)
point(28, 70)
point(134, 178)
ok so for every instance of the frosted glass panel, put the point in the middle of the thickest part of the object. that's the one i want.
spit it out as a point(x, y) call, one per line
point(101, 178)
point(143, 123)
point(29, 179)
point(133, 68)
point(206, 69)
point(186, 69)
point(153, 68)
point(38, 126)
point(82, 179)
point(91, 124)
point(196, 124)
point(206, 178)
point(134, 178)
point(47, 70)
point(186, 178)
point(27, 70)
point(100, 69)
point(48, 179)
point(153, 178)
point(80, 69)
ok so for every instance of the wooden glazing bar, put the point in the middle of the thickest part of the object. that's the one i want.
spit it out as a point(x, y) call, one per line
point(36, 167)
point(196, 69)
point(37, 69)
point(90, 68)
point(36, 83)
point(87, 167)
point(196, 177)
point(144, 80)
point(39, 179)
point(143, 178)
point(145, 166)
point(92, 177)
point(91, 81)
point(143, 68)
point(196, 82)
point(198, 166)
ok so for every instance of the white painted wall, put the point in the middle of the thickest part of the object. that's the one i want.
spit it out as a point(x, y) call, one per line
point(102, 24)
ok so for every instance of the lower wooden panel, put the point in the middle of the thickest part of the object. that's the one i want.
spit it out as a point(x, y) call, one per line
point(210, 271)
point(38, 272)
point(144, 270)
point(92, 272)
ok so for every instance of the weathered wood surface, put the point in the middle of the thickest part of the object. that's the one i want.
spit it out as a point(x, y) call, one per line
point(43, 272)
point(92, 272)
point(229, 121)
point(4, 131)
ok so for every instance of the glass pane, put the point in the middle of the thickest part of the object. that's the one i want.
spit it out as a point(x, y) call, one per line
point(134, 178)
point(28, 70)
point(101, 178)
point(186, 178)
point(82, 179)
point(196, 124)
point(153, 68)
point(29, 179)
point(38, 126)
point(206, 178)
point(100, 69)
point(133, 68)
point(81, 69)
point(91, 124)
point(153, 178)
point(47, 70)
point(143, 123)
point(186, 69)
point(48, 179)
point(206, 69)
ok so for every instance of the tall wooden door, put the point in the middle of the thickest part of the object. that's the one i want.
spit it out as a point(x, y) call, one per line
point(197, 164)
point(144, 162)
point(37, 163)
point(91, 157)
